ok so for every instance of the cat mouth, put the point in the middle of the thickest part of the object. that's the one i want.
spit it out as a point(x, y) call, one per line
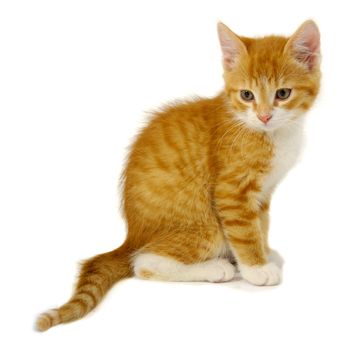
point(271, 126)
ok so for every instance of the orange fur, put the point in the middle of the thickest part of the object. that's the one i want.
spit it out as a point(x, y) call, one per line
point(195, 176)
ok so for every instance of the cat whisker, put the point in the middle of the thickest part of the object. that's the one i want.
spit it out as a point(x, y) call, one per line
point(235, 125)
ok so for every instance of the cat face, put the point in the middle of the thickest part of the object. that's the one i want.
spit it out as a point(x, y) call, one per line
point(272, 81)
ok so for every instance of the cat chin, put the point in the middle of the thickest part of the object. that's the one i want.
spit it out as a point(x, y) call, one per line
point(263, 128)
point(273, 126)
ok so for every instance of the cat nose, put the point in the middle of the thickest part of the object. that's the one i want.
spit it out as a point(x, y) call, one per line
point(265, 117)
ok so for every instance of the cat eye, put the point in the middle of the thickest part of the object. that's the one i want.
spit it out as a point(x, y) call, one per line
point(247, 95)
point(283, 94)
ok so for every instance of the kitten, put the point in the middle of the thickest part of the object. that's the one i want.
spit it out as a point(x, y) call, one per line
point(199, 178)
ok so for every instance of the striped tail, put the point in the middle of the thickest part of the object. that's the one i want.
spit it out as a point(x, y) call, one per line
point(97, 276)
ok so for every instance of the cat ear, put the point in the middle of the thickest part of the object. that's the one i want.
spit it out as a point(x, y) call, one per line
point(231, 45)
point(304, 44)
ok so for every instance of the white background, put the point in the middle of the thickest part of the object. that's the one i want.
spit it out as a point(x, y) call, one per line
point(76, 78)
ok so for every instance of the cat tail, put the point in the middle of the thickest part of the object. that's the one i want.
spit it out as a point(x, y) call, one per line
point(97, 276)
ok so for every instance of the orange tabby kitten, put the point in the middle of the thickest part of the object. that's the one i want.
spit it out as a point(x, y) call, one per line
point(199, 179)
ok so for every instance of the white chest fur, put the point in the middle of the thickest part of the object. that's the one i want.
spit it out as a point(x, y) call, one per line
point(288, 143)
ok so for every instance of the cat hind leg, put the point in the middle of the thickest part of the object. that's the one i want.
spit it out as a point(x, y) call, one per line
point(154, 266)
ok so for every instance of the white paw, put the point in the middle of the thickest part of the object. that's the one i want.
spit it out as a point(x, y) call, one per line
point(265, 275)
point(220, 270)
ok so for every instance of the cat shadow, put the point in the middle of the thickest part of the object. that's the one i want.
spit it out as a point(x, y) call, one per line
point(239, 283)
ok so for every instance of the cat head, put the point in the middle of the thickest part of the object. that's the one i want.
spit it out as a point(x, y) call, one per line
point(271, 81)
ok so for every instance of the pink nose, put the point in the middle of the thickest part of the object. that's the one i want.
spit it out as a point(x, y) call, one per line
point(265, 118)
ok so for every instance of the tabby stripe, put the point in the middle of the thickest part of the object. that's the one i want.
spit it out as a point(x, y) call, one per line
point(233, 90)
point(228, 178)
point(308, 90)
point(244, 214)
point(250, 187)
point(243, 241)
point(223, 195)
point(48, 317)
point(242, 197)
point(171, 143)
point(88, 285)
point(230, 207)
point(82, 304)
point(264, 206)
point(236, 222)
point(90, 294)
point(161, 164)
point(249, 215)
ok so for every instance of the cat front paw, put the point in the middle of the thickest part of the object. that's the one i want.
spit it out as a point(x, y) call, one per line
point(264, 275)
point(220, 270)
